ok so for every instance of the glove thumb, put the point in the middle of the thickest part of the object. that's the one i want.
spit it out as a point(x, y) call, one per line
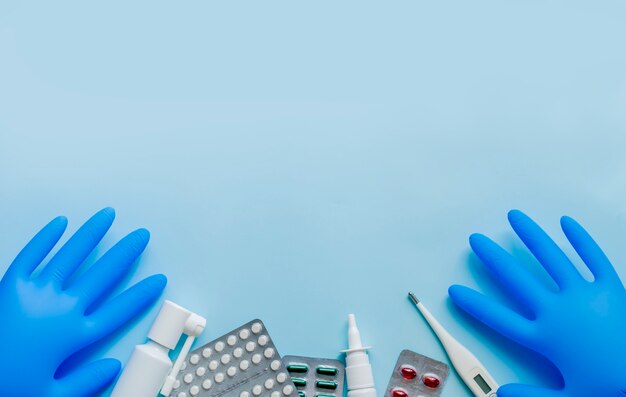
point(88, 380)
point(519, 390)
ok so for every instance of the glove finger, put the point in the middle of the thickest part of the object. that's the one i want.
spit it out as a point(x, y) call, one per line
point(519, 390)
point(493, 314)
point(88, 380)
point(556, 263)
point(589, 251)
point(514, 279)
point(79, 246)
point(108, 271)
point(38, 248)
point(126, 306)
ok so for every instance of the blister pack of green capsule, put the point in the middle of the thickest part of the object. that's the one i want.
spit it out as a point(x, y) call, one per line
point(316, 377)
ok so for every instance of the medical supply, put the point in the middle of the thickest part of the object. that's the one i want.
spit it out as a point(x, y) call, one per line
point(242, 363)
point(473, 373)
point(46, 318)
point(359, 377)
point(149, 369)
point(577, 324)
point(316, 377)
point(417, 375)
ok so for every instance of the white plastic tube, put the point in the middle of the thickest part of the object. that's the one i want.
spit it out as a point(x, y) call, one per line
point(149, 366)
point(145, 371)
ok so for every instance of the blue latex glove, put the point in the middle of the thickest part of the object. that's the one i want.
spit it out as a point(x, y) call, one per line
point(579, 326)
point(46, 318)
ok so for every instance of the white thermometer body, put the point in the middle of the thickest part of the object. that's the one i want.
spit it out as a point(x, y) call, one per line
point(473, 373)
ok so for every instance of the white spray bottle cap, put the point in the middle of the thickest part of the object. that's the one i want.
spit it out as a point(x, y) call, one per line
point(358, 368)
point(172, 322)
point(169, 324)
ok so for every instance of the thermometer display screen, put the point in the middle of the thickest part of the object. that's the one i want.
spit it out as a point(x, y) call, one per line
point(480, 381)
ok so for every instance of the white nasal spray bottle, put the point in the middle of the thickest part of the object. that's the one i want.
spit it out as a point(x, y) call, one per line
point(149, 369)
point(359, 377)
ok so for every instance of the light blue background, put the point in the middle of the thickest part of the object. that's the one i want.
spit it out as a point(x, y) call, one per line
point(297, 161)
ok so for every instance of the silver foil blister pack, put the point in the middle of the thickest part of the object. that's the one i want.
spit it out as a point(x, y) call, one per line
point(242, 363)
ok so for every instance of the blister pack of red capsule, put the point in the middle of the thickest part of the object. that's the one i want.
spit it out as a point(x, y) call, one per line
point(416, 375)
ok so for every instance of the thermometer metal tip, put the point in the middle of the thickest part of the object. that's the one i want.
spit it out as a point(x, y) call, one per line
point(413, 298)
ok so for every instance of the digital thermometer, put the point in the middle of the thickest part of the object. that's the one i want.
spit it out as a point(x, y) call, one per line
point(465, 363)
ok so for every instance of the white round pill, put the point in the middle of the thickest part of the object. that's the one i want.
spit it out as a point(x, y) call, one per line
point(194, 359)
point(238, 352)
point(263, 340)
point(275, 394)
point(206, 353)
point(244, 394)
point(232, 339)
point(194, 390)
point(269, 383)
point(176, 384)
point(206, 385)
point(188, 378)
point(200, 371)
point(256, 358)
point(250, 346)
point(182, 394)
point(219, 346)
point(225, 359)
point(287, 390)
point(213, 365)
point(231, 371)
point(244, 365)
point(257, 390)
point(184, 366)
point(219, 377)
point(256, 328)
point(269, 352)
point(275, 365)
point(244, 333)
point(281, 377)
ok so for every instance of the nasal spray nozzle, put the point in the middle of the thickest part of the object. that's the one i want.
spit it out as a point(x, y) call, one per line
point(149, 369)
point(359, 377)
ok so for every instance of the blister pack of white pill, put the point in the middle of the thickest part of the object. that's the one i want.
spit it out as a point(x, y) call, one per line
point(242, 363)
